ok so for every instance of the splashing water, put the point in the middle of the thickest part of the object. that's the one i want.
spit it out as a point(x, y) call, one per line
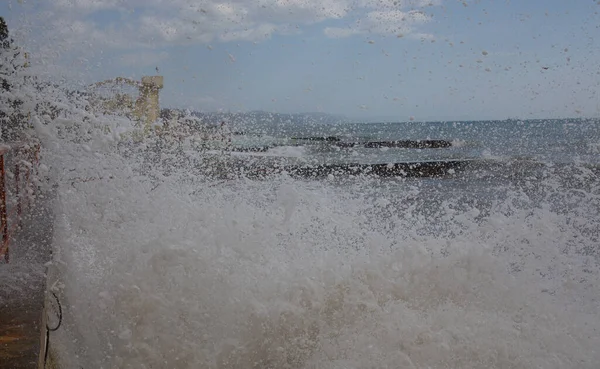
point(157, 265)
point(184, 272)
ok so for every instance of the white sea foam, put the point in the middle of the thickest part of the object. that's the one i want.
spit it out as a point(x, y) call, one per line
point(157, 266)
point(290, 274)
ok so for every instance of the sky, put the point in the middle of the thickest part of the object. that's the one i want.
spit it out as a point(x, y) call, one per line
point(366, 59)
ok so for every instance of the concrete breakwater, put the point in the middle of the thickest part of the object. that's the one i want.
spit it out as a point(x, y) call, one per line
point(409, 169)
point(335, 141)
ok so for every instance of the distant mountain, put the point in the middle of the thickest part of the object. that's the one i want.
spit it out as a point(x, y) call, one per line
point(262, 117)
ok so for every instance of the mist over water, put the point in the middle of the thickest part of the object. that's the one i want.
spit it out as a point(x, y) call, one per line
point(164, 267)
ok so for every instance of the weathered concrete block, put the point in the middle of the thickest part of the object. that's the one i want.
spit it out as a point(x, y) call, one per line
point(156, 82)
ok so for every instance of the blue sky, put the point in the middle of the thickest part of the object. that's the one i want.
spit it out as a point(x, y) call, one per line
point(366, 59)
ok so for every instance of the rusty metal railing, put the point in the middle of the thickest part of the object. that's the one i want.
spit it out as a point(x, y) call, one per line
point(18, 166)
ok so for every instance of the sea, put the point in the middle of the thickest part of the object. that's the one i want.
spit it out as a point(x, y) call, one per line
point(159, 264)
point(553, 140)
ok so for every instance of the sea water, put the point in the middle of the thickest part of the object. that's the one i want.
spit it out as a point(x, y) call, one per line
point(158, 265)
point(553, 140)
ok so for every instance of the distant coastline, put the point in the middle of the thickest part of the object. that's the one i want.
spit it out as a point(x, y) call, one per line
point(260, 116)
point(325, 118)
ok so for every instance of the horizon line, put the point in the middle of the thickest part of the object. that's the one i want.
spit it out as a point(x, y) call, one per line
point(386, 120)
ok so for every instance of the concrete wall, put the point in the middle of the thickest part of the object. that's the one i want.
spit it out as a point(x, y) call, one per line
point(147, 105)
point(146, 108)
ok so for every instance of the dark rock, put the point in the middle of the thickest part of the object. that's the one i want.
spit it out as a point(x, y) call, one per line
point(408, 144)
point(416, 169)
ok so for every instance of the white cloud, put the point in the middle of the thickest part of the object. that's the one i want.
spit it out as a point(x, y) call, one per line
point(151, 23)
point(259, 33)
point(72, 29)
point(86, 6)
point(422, 36)
point(393, 22)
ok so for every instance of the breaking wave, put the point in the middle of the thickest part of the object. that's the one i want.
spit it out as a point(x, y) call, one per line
point(157, 264)
point(180, 271)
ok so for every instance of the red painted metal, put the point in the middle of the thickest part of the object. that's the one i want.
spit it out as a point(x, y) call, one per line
point(3, 209)
point(17, 192)
point(16, 154)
